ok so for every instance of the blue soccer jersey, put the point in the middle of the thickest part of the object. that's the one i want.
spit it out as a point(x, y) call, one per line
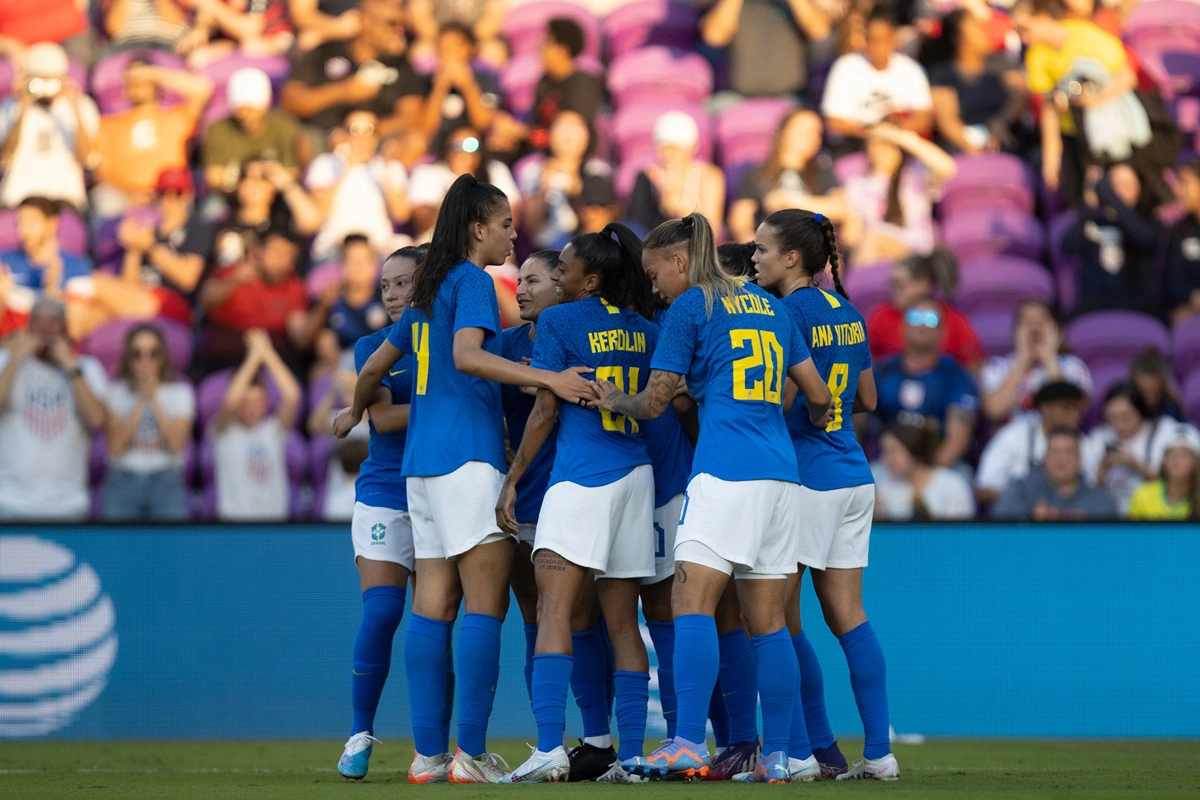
point(454, 417)
point(735, 362)
point(517, 405)
point(380, 482)
point(916, 398)
point(596, 448)
point(830, 457)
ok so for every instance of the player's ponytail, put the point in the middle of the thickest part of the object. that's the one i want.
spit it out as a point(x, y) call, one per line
point(704, 270)
point(469, 201)
point(813, 237)
point(615, 254)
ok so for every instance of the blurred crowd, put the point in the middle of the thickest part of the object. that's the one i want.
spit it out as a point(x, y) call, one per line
point(197, 195)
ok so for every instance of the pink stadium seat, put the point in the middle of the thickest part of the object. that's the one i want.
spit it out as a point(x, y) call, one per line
point(647, 22)
point(1066, 265)
point(652, 73)
point(1115, 336)
point(1001, 282)
point(320, 277)
point(525, 25)
point(994, 232)
point(746, 132)
point(1166, 36)
point(989, 181)
point(107, 343)
point(868, 286)
point(850, 166)
point(994, 327)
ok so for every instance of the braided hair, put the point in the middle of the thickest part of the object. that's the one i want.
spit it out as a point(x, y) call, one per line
point(813, 237)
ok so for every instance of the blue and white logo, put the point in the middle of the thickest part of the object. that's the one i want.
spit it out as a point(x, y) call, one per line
point(378, 531)
point(57, 636)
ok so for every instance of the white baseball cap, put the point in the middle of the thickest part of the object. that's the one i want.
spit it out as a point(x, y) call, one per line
point(1178, 434)
point(46, 60)
point(676, 128)
point(249, 87)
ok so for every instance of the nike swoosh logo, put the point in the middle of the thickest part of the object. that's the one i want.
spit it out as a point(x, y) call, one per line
point(728, 694)
point(355, 672)
point(397, 372)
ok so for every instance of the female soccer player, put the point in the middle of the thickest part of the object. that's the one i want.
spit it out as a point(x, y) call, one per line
point(379, 529)
point(597, 517)
point(454, 466)
point(792, 248)
point(734, 344)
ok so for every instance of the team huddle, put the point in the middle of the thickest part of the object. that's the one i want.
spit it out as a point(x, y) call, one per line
point(657, 427)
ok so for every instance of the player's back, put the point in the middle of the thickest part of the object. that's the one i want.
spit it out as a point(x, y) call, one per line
point(830, 457)
point(596, 448)
point(380, 480)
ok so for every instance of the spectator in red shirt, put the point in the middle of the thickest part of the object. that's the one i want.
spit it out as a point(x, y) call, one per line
point(913, 279)
point(64, 22)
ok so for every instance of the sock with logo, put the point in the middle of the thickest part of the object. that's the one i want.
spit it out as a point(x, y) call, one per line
point(868, 679)
point(739, 686)
point(589, 682)
point(633, 697)
point(479, 668)
point(662, 636)
point(383, 608)
point(697, 662)
point(426, 665)
point(551, 676)
point(778, 680)
point(812, 694)
point(530, 642)
point(718, 716)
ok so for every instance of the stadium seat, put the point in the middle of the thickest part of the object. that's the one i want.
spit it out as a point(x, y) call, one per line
point(850, 166)
point(519, 79)
point(1115, 336)
point(633, 128)
point(868, 286)
point(1105, 375)
point(746, 132)
point(1001, 282)
point(989, 181)
point(1165, 34)
point(525, 25)
point(994, 232)
point(1185, 342)
point(320, 277)
point(107, 342)
point(1191, 396)
point(211, 393)
point(1066, 265)
point(647, 22)
point(994, 327)
point(653, 73)
point(108, 76)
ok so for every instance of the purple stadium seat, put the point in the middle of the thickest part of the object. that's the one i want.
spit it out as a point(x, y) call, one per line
point(277, 68)
point(746, 132)
point(518, 80)
point(672, 23)
point(525, 166)
point(652, 73)
point(1001, 282)
point(1115, 336)
point(1066, 265)
point(868, 286)
point(994, 327)
point(211, 392)
point(321, 450)
point(107, 342)
point(1166, 36)
point(1191, 395)
point(989, 181)
point(108, 76)
point(320, 277)
point(72, 231)
point(1185, 340)
point(994, 232)
point(633, 128)
point(850, 166)
point(525, 25)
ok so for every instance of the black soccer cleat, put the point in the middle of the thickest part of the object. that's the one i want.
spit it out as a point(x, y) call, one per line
point(589, 762)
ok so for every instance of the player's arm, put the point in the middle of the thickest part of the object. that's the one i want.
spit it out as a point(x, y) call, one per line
point(537, 431)
point(472, 359)
point(386, 416)
point(868, 396)
point(649, 403)
point(688, 413)
point(816, 392)
point(960, 431)
point(370, 378)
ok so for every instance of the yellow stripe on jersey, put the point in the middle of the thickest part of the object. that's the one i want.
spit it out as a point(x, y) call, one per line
point(833, 301)
point(611, 308)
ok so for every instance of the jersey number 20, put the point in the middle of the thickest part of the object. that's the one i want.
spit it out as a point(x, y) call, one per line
point(765, 351)
point(616, 375)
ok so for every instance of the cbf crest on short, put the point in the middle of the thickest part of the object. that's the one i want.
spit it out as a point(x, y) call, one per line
point(378, 530)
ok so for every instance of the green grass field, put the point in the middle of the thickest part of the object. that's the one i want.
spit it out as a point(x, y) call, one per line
point(305, 769)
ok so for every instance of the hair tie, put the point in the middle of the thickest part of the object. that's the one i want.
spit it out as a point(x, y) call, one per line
point(612, 234)
point(689, 221)
point(818, 218)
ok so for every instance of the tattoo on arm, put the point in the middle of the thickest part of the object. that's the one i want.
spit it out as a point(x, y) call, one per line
point(548, 559)
point(652, 401)
point(680, 572)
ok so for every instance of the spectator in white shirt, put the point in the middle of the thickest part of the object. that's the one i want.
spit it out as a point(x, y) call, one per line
point(865, 89)
point(149, 425)
point(1009, 382)
point(49, 407)
point(1019, 447)
point(1117, 456)
point(908, 483)
point(250, 447)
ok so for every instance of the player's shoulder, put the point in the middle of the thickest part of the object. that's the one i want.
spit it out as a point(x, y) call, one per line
point(366, 345)
point(467, 275)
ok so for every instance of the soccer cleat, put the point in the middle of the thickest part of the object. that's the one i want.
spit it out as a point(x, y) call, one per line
point(589, 762)
point(770, 768)
point(833, 763)
point(434, 769)
point(541, 767)
point(484, 769)
point(732, 760)
point(356, 756)
point(878, 769)
point(617, 774)
point(677, 758)
point(805, 771)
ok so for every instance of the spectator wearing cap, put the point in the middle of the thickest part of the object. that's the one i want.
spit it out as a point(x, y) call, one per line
point(462, 152)
point(552, 190)
point(677, 183)
point(923, 386)
point(358, 190)
point(563, 86)
point(1057, 490)
point(771, 45)
point(156, 24)
point(62, 22)
point(48, 131)
point(1018, 448)
point(222, 27)
point(1175, 494)
point(134, 146)
point(252, 129)
point(463, 95)
point(1183, 251)
point(1009, 382)
point(879, 85)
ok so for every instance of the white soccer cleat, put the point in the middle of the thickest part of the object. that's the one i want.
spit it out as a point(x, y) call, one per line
point(617, 774)
point(804, 771)
point(878, 769)
point(551, 767)
point(485, 769)
point(356, 756)
point(434, 769)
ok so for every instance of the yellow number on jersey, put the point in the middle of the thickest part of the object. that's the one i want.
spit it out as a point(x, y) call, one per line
point(839, 376)
point(765, 351)
point(616, 375)
point(420, 340)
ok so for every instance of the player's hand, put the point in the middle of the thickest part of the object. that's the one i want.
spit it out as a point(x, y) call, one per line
point(604, 394)
point(504, 509)
point(823, 420)
point(344, 422)
point(571, 386)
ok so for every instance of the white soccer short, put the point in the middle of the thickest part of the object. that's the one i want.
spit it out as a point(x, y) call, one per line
point(454, 512)
point(606, 529)
point(382, 534)
point(835, 527)
point(666, 523)
point(526, 532)
point(750, 526)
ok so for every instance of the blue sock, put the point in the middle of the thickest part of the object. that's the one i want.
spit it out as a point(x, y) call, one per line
point(551, 675)
point(697, 661)
point(610, 665)
point(479, 668)
point(868, 679)
point(719, 717)
point(662, 635)
point(633, 696)
point(448, 712)
point(383, 607)
point(589, 682)
point(426, 665)
point(530, 643)
point(739, 686)
point(812, 693)
point(778, 679)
